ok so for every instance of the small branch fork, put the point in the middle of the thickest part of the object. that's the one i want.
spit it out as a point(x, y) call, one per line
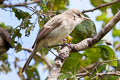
point(100, 6)
point(20, 4)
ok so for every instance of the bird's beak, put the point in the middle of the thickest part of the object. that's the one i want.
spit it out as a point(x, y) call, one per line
point(85, 18)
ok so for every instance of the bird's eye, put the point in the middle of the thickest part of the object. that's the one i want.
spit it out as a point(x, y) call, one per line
point(79, 15)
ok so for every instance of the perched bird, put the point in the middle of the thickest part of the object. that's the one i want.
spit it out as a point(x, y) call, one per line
point(56, 29)
point(5, 41)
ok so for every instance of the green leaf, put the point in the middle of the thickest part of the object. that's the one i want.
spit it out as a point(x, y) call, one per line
point(102, 16)
point(16, 34)
point(21, 14)
point(116, 32)
point(44, 51)
point(92, 55)
point(57, 4)
point(101, 68)
point(115, 8)
point(18, 47)
point(4, 57)
point(64, 76)
point(107, 53)
point(96, 3)
point(28, 30)
point(32, 74)
point(26, 23)
point(72, 63)
point(83, 30)
point(100, 52)
point(107, 77)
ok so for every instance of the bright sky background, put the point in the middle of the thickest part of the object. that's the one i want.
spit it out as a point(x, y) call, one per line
point(9, 19)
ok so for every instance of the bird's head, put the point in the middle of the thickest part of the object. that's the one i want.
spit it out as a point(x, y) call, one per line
point(76, 13)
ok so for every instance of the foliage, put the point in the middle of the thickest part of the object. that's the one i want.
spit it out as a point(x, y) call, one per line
point(101, 54)
point(86, 29)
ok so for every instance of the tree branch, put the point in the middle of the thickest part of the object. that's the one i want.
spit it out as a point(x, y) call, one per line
point(86, 43)
point(115, 73)
point(20, 4)
point(100, 6)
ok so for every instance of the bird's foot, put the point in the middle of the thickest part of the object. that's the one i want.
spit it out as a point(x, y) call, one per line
point(66, 44)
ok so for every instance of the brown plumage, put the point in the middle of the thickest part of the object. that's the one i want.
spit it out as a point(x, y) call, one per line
point(5, 41)
point(1, 1)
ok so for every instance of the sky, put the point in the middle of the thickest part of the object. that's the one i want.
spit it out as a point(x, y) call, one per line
point(9, 19)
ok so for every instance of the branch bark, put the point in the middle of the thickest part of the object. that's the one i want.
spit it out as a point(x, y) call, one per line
point(100, 6)
point(20, 4)
point(38, 1)
point(86, 43)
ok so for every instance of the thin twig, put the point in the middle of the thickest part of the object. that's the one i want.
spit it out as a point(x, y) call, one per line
point(20, 4)
point(115, 73)
point(92, 66)
point(101, 6)
point(27, 49)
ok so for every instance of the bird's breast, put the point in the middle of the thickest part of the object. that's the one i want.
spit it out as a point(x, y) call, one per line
point(58, 34)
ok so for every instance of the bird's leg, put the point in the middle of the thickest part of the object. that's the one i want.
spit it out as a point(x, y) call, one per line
point(66, 44)
point(67, 41)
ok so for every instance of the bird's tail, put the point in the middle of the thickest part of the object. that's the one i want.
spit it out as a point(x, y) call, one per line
point(28, 60)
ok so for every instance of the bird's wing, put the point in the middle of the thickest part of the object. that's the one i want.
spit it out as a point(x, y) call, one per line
point(50, 25)
point(5, 36)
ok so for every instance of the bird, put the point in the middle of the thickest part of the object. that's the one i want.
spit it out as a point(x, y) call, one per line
point(55, 30)
point(5, 41)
